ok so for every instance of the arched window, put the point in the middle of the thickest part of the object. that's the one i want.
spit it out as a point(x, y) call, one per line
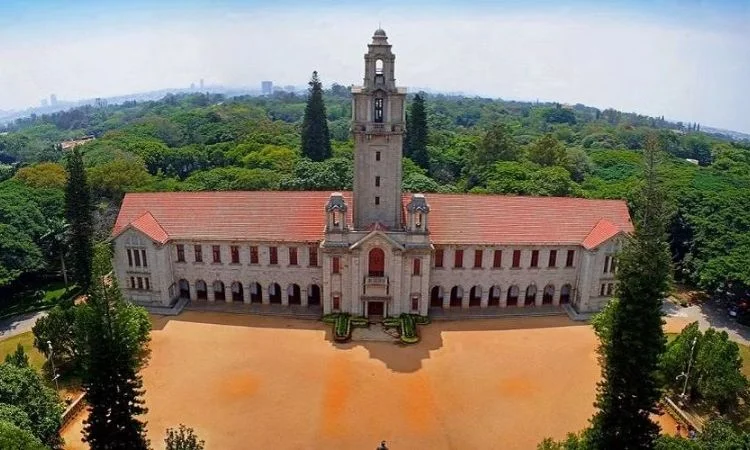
point(313, 295)
point(513, 296)
point(378, 114)
point(475, 296)
point(238, 294)
point(565, 294)
point(436, 297)
point(256, 293)
point(293, 295)
point(457, 295)
point(379, 66)
point(184, 288)
point(530, 295)
point(549, 294)
point(376, 263)
point(219, 291)
point(201, 291)
point(274, 293)
point(494, 299)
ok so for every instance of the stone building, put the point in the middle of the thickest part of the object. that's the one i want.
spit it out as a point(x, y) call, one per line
point(375, 251)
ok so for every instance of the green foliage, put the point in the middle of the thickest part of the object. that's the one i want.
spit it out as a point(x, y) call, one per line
point(331, 174)
point(342, 327)
point(23, 388)
point(115, 178)
point(60, 327)
point(115, 335)
point(13, 437)
point(496, 145)
point(408, 329)
point(44, 175)
point(18, 254)
point(78, 211)
point(630, 332)
point(183, 438)
point(716, 371)
point(233, 179)
point(547, 151)
point(19, 358)
point(316, 142)
point(415, 145)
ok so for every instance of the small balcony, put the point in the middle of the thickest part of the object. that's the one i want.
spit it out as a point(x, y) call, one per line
point(376, 286)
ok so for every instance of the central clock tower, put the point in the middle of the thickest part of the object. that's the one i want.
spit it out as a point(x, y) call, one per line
point(378, 126)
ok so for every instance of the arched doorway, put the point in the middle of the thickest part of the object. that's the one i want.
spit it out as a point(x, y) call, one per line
point(256, 293)
point(565, 294)
point(475, 296)
point(549, 294)
point(274, 293)
point(238, 294)
point(219, 293)
point(457, 295)
point(436, 297)
point(184, 287)
point(494, 299)
point(376, 263)
point(293, 295)
point(313, 295)
point(530, 295)
point(513, 296)
point(201, 291)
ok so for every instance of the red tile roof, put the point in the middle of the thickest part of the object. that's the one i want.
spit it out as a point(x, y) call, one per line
point(300, 217)
point(603, 230)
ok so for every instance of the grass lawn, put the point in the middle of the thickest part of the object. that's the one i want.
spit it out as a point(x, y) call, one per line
point(29, 301)
point(8, 346)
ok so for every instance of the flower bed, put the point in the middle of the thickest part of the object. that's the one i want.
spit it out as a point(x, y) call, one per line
point(342, 329)
point(408, 329)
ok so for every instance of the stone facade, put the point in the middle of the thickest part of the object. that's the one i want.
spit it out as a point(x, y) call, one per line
point(379, 260)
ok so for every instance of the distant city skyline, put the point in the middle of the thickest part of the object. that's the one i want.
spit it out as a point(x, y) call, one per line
point(687, 60)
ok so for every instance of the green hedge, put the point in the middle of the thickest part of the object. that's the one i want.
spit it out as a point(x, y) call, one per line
point(408, 329)
point(342, 327)
point(360, 322)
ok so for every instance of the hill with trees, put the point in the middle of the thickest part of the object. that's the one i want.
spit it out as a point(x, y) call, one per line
point(460, 144)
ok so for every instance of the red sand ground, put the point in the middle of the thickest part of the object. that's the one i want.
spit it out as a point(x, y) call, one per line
point(246, 382)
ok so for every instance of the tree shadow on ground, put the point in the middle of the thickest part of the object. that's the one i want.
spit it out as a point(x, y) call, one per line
point(406, 358)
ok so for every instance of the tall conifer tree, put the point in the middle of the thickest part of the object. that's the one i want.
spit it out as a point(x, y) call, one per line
point(78, 211)
point(417, 129)
point(316, 141)
point(633, 339)
point(116, 345)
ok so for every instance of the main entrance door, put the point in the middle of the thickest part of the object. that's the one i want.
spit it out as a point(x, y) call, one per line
point(375, 309)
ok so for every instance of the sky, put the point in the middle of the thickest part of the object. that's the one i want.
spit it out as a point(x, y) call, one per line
point(684, 59)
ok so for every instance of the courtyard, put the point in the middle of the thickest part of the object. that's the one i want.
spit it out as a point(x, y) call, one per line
point(246, 382)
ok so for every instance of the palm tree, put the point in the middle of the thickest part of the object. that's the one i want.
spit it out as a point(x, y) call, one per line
point(56, 241)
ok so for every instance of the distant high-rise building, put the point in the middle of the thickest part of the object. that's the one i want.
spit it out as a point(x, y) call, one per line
point(289, 88)
point(192, 86)
point(53, 99)
point(266, 87)
point(44, 102)
point(201, 83)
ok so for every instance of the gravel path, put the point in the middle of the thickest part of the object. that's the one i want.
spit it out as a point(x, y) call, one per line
point(19, 324)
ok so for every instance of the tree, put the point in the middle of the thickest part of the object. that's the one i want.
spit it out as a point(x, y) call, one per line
point(60, 326)
point(417, 133)
point(15, 438)
point(116, 335)
point(633, 340)
point(718, 376)
point(78, 211)
point(23, 388)
point(117, 177)
point(44, 175)
point(496, 145)
point(56, 240)
point(18, 254)
point(19, 358)
point(547, 151)
point(316, 142)
point(183, 438)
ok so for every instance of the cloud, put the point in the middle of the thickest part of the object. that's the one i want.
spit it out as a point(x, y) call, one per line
point(629, 62)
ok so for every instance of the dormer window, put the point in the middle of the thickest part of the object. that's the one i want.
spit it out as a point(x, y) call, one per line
point(379, 110)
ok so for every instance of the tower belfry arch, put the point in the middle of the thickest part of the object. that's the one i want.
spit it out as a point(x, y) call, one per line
point(378, 125)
